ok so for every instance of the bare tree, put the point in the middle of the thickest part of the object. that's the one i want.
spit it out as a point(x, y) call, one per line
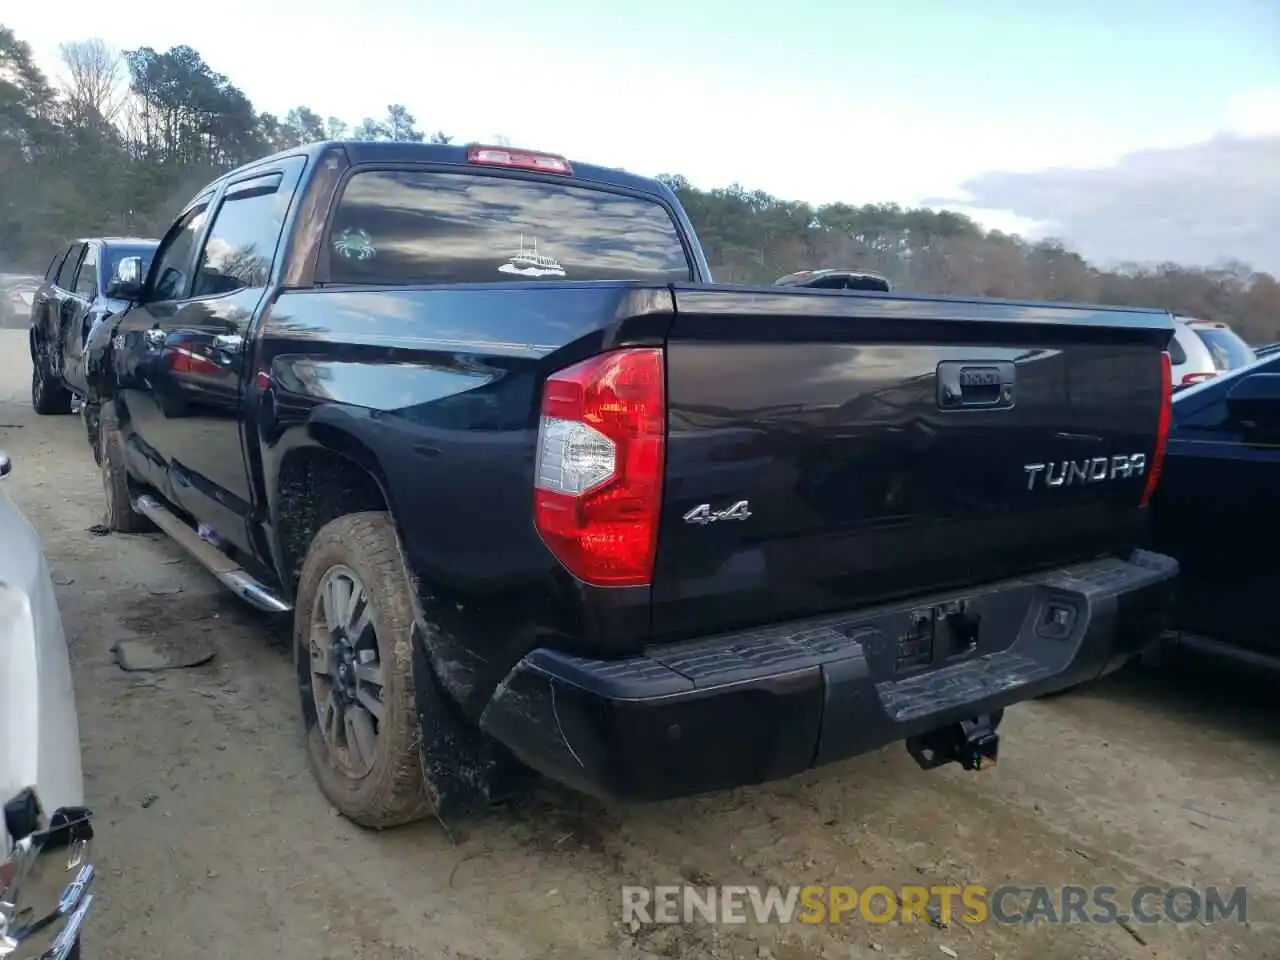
point(93, 81)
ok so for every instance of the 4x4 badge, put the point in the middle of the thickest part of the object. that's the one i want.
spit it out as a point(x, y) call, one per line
point(702, 514)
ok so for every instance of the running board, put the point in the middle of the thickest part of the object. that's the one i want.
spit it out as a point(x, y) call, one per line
point(232, 575)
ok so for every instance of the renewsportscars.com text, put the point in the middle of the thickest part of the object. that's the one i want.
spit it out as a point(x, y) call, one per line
point(971, 904)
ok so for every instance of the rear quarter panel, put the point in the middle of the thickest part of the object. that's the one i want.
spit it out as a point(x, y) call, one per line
point(436, 392)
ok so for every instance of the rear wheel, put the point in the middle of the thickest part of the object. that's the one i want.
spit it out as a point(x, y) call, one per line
point(353, 642)
point(120, 515)
point(48, 396)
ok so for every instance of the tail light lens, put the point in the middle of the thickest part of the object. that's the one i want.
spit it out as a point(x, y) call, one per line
point(598, 480)
point(1162, 428)
point(1189, 378)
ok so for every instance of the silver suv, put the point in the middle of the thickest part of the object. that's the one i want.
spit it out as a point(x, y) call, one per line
point(1200, 350)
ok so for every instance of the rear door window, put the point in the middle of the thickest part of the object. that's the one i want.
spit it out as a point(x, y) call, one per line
point(1229, 352)
point(1177, 356)
point(415, 226)
point(51, 272)
point(67, 272)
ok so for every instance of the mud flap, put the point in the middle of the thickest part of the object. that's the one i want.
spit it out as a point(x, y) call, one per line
point(464, 769)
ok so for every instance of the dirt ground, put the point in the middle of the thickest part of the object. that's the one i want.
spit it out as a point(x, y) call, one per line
point(214, 842)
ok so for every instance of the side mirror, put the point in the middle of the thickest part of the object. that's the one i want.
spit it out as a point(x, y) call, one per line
point(126, 282)
point(6, 465)
point(1253, 404)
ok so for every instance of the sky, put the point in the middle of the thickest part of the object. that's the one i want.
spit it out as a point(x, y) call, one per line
point(1134, 129)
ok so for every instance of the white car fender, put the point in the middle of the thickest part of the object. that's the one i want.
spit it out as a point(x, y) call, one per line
point(39, 730)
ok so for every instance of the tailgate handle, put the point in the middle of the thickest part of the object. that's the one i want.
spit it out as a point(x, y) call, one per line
point(975, 384)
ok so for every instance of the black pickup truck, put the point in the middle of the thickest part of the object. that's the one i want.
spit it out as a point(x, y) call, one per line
point(541, 495)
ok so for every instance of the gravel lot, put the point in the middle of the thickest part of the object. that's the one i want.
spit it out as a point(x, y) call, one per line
point(214, 843)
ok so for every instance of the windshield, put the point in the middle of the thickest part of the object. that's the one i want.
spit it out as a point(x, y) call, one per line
point(1228, 350)
point(116, 254)
point(417, 226)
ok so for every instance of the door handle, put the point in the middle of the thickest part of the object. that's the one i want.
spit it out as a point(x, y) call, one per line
point(228, 342)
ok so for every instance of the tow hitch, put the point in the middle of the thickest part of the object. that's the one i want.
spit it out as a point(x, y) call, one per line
point(974, 744)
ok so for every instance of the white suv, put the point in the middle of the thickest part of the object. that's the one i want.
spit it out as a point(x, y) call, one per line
point(1200, 350)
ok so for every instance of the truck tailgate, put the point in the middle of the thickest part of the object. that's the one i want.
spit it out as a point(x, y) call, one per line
point(828, 450)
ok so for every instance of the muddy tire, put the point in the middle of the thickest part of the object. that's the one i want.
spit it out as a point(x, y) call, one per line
point(119, 514)
point(49, 397)
point(353, 645)
point(92, 415)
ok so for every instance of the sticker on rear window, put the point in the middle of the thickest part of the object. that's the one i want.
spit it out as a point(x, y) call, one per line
point(355, 244)
point(530, 263)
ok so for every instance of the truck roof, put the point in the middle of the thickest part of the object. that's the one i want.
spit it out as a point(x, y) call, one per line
point(805, 278)
point(390, 151)
point(120, 241)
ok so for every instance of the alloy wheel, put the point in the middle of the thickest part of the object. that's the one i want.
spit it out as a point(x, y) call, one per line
point(347, 677)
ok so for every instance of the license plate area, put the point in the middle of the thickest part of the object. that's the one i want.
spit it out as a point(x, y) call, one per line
point(936, 635)
point(915, 639)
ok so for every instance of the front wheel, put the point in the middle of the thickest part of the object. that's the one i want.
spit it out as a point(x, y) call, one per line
point(48, 396)
point(119, 515)
point(92, 414)
point(353, 642)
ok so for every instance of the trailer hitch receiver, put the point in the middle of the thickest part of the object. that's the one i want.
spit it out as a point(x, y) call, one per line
point(974, 744)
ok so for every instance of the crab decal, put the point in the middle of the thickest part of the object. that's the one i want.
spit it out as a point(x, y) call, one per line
point(354, 244)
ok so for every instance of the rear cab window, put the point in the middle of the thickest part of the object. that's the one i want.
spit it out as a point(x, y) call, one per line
point(422, 226)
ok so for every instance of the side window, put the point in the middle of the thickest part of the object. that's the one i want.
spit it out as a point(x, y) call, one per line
point(51, 272)
point(87, 278)
point(242, 239)
point(67, 272)
point(1177, 356)
point(173, 259)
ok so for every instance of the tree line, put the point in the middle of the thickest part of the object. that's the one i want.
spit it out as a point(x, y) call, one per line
point(118, 140)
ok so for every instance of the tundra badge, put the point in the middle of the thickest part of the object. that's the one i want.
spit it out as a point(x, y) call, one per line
point(1066, 473)
point(702, 514)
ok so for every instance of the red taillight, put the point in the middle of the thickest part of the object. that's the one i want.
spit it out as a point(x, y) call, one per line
point(1162, 428)
point(518, 159)
point(183, 360)
point(1189, 378)
point(598, 475)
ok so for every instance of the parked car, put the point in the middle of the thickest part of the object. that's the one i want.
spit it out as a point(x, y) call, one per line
point(1201, 350)
point(539, 494)
point(1218, 511)
point(831, 279)
point(77, 293)
point(17, 292)
point(46, 877)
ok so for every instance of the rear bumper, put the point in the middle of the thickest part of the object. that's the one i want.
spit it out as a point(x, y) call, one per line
point(740, 708)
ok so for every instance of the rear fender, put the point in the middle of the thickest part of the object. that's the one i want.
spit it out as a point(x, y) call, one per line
point(338, 431)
